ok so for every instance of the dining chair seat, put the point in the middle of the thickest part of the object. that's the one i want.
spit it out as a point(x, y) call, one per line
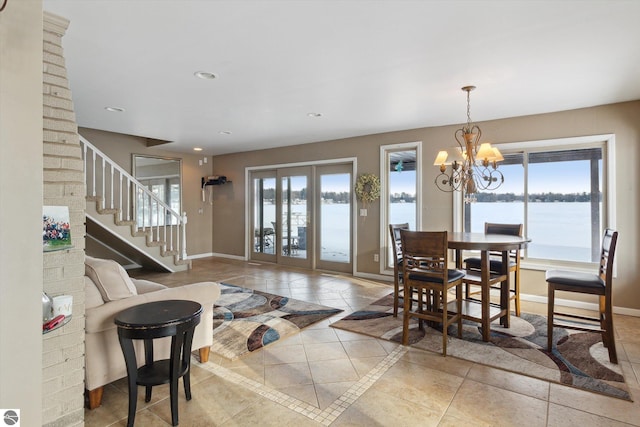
point(576, 279)
point(452, 276)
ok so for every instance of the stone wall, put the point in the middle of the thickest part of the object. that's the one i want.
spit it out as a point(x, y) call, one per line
point(63, 271)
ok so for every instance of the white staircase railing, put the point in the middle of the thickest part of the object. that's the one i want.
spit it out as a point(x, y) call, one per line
point(132, 203)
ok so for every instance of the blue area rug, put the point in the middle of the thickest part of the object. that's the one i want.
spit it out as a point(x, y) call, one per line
point(245, 320)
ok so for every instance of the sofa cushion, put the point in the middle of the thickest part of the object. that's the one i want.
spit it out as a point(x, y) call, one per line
point(92, 297)
point(110, 278)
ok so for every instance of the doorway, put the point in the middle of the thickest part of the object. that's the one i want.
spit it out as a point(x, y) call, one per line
point(302, 216)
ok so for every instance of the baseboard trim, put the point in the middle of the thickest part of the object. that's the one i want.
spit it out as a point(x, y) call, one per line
point(579, 304)
point(219, 255)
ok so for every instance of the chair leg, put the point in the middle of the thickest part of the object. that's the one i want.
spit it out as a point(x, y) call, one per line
point(405, 315)
point(459, 305)
point(608, 336)
point(396, 290)
point(445, 318)
point(517, 291)
point(204, 354)
point(550, 309)
point(94, 397)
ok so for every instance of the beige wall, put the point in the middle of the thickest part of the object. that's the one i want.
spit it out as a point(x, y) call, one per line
point(622, 119)
point(21, 209)
point(120, 148)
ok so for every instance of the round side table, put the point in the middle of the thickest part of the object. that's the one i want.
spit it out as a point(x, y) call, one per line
point(170, 318)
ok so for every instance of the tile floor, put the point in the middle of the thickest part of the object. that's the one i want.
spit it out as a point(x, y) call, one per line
point(325, 376)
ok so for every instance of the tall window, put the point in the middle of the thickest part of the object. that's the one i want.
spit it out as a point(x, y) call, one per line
point(400, 164)
point(558, 193)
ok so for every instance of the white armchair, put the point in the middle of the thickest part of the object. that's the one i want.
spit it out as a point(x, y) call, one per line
point(108, 291)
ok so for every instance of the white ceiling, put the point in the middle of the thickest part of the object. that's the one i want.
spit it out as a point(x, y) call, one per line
point(366, 66)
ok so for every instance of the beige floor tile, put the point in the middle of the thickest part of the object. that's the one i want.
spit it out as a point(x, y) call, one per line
point(328, 393)
point(509, 381)
point(597, 404)
point(413, 382)
point(562, 416)
point(332, 371)
point(277, 355)
point(316, 336)
point(633, 351)
point(325, 351)
point(305, 393)
point(267, 413)
point(377, 408)
point(488, 405)
point(364, 348)
point(364, 365)
point(214, 400)
point(278, 376)
point(449, 364)
point(145, 418)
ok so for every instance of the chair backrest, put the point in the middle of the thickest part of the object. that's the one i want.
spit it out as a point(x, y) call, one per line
point(609, 241)
point(425, 253)
point(510, 229)
point(396, 245)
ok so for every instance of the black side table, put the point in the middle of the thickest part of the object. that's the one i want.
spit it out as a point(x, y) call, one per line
point(174, 318)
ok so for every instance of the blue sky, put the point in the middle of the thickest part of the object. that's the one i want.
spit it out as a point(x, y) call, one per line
point(557, 177)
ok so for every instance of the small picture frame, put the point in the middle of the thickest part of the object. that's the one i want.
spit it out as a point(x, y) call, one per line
point(56, 229)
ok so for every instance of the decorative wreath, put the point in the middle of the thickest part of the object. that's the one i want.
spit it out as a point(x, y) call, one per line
point(368, 188)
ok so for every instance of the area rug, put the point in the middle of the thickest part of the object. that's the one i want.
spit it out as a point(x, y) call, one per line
point(578, 359)
point(245, 320)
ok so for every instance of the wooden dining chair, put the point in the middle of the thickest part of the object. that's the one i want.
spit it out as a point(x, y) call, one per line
point(599, 284)
point(495, 261)
point(425, 268)
point(396, 248)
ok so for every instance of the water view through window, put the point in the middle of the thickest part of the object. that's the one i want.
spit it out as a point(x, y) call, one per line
point(560, 206)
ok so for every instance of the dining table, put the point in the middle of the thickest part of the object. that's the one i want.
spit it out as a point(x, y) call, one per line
point(483, 310)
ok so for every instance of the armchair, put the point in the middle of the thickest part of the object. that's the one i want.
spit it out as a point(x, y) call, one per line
point(108, 291)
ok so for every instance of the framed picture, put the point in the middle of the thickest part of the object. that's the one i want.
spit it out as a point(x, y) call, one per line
point(56, 231)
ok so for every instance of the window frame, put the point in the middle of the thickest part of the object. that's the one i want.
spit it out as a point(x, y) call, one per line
point(607, 142)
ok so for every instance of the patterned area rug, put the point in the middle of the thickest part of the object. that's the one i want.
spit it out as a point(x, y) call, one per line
point(578, 359)
point(245, 320)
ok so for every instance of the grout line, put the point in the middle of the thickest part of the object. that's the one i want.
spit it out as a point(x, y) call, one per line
point(329, 414)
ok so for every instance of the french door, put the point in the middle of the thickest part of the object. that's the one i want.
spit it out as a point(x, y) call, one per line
point(281, 214)
point(301, 216)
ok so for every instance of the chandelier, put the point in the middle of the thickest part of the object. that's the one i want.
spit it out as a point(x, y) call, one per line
point(472, 165)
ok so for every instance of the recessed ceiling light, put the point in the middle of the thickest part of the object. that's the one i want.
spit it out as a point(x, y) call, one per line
point(197, 149)
point(314, 114)
point(205, 75)
point(115, 109)
point(225, 132)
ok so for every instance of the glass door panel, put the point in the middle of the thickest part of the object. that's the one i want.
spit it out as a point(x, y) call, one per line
point(334, 218)
point(264, 244)
point(293, 213)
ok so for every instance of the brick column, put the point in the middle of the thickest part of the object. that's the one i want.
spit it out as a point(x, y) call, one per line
point(63, 271)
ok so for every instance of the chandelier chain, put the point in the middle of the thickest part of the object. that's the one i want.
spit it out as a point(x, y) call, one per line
point(469, 110)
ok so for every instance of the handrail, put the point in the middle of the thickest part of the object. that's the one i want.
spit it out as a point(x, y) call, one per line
point(133, 201)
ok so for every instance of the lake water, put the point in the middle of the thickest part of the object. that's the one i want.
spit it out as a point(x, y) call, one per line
point(560, 231)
